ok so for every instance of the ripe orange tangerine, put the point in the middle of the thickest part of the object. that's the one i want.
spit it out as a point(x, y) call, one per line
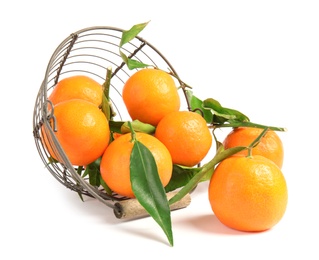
point(269, 146)
point(115, 162)
point(186, 136)
point(77, 87)
point(248, 193)
point(149, 95)
point(82, 131)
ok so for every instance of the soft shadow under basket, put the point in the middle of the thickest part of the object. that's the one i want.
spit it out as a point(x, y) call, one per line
point(90, 52)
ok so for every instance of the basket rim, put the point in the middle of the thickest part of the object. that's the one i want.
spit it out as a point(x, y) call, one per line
point(91, 28)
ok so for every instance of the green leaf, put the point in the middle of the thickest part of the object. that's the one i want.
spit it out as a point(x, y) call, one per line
point(135, 64)
point(129, 35)
point(137, 126)
point(196, 103)
point(93, 171)
point(148, 188)
point(239, 116)
point(104, 185)
point(131, 63)
point(222, 112)
point(115, 126)
point(106, 107)
point(95, 179)
point(123, 127)
point(124, 57)
point(180, 177)
point(206, 172)
point(251, 124)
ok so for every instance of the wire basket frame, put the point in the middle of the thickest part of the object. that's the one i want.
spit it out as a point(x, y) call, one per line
point(90, 52)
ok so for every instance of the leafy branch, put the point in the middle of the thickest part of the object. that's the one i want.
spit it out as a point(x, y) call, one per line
point(128, 36)
point(218, 116)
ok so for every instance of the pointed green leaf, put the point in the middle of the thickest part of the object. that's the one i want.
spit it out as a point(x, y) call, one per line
point(115, 126)
point(131, 63)
point(148, 189)
point(106, 107)
point(95, 179)
point(180, 177)
point(135, 64)
point(219, 119)
point(239, 116)
point(223, 112)
point(93, 171)
point(105, 186)
point(196, 103)
point(129, 35)
point(137, 126)
point(124, 57)
point(80, 195)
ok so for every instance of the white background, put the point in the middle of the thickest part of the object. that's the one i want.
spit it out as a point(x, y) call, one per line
point(260, 57)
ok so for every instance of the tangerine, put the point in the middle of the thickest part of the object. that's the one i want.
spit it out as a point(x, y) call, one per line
point(248, 193)
point(269, 146)
point(82, 131)
point(186, 136)
point(77, 87)
point(149, 95)
point(115, 162)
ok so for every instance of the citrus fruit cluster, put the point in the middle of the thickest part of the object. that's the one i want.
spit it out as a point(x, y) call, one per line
point(82, 128)
point(247, 190)
point(151, 97)
point(181, 137)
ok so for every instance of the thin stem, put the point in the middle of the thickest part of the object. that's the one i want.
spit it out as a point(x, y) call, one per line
point(183, 86)
point(107, 82)
point(248, 124)
point(106, 104)
point(256, 141)
point(133, 134)
point(79, 170)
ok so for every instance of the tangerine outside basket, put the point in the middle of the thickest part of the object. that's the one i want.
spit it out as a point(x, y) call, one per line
point(90, 52)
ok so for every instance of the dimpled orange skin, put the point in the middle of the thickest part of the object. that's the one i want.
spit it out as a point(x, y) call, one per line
point(270, 145)
point(248, 193)
point(115, 163)
point(77, 87)
point(82, 131)
point(186, 136)
point(149, 95)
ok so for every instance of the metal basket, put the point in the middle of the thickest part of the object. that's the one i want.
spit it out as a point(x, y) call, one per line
point(89, 52)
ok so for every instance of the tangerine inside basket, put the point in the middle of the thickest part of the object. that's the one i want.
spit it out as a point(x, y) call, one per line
point(90, 52)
